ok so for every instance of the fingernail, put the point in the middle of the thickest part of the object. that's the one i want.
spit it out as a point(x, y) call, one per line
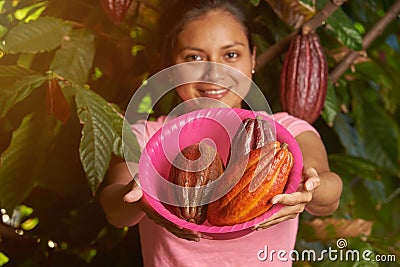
point(126, 199)
point(274, 201)
point(314, 171)
point(309, 186)
point(130, 198)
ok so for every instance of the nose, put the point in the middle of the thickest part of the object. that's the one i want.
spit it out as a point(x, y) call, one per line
point(213, 72)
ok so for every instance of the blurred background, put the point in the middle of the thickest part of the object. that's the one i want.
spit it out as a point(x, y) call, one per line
point(68, 69)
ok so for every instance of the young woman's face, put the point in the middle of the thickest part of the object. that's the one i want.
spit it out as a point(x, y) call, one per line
point(216, 37)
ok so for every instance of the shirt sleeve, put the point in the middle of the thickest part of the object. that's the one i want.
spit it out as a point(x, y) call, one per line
point(295, 126)
point(144, 129)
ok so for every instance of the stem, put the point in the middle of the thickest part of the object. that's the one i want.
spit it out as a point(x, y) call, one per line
point(320, 18)
point(367, 40)
point(284, 146)
point(9, 233)
point(275, 50)
point(312, 24)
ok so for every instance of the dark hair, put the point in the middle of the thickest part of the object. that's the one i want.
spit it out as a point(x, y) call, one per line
point(180, 12)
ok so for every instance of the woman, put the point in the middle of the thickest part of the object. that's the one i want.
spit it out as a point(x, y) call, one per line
point(217, 31)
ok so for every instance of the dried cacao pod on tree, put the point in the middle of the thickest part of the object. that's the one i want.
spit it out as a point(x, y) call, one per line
point(243, 203)
point(304, 78)
point(193, 158)
point(254, 133)
point(116, 9)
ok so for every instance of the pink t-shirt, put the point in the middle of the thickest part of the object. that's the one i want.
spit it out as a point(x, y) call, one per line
point(269, 247)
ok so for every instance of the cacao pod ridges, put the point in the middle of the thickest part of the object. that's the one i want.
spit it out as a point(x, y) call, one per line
point(184, 173)
point(242, 204)
point(304, 78)
point(116, 9)
point(253, 134)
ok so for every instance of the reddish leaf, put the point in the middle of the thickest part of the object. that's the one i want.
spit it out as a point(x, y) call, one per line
point(116, 9)
point(56, 102)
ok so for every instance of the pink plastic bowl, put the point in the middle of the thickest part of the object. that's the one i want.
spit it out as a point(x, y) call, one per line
point(194, 127)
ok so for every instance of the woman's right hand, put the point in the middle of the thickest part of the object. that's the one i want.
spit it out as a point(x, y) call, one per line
point(135, 195)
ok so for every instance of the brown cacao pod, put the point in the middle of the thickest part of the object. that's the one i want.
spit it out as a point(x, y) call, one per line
point(304, 78)
point(242, 204)
point(254, 133)
point(194, 156)
point(116, 9)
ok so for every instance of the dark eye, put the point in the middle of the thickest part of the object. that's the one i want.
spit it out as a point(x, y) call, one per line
point(193, 58)
point(232, 55)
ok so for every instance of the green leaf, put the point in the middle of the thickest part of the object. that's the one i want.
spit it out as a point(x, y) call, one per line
point(352, 170)
point(31, 12)
point(254, 2)
point(377, 191)
point(331, 106)
point(43, 34)
point(25, 60)
point(349, 166)
point(3, 259)
point(16, 84)
point(24, 211)
point(125, 143)
point(145, 105)
point(30, 223)
point(378, 131)
point(75, 57)
point(383, 77)
point(23, 159)
point(98, 135)
point(109, 236)
point(344, 128)
point(375, 72)
point(344, 30)
point(105, 131)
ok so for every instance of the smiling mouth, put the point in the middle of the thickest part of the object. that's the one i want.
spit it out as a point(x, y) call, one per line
point(213, 93)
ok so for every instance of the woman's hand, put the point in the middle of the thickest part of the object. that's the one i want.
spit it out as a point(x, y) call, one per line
point(294, 203)
point(135, 194)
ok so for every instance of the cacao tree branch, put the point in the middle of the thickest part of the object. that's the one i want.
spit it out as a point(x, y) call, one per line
point(312, 24)
point(371, 35)
point(321, 16)
point(275, 50)
point(7, 232)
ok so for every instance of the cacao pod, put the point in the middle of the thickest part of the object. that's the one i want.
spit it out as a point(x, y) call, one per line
point(304, 78)
point(254, 133)
point(116, 9)
point(192, 158)
point(242, 204)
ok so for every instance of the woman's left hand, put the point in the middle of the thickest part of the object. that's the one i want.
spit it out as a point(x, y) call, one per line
point(294, 203)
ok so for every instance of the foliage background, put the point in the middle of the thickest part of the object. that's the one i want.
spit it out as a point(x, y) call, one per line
point(67, 71)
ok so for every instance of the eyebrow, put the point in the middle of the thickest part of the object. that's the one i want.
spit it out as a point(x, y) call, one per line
point(224, 47)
